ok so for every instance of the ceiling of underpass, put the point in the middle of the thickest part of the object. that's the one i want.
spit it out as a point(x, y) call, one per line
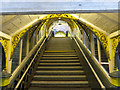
point(108, 22)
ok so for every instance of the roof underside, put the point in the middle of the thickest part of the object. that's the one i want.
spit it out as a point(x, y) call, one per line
point(102, 14)
point(108, 22)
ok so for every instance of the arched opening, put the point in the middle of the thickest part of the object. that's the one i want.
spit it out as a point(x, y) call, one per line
point(117, 57)
point(2, 58)
point(60, 34)
point(60, 28)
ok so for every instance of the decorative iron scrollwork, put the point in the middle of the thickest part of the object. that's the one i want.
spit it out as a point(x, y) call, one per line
point(101, 36)
point(15, 40)
point(5, 44)
point(58, 15)
point(114, 44)
point(104, 40)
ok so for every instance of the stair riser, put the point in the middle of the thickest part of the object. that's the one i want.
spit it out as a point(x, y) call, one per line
point(59, 58)
point(59, 65)
point(59, 69)
point(43, 73)
point(59, 79)
point(59, 53)
point(61, 86)
point(59, 61)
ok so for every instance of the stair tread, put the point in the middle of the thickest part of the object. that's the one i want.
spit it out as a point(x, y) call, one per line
point(63, 76)
point(61, 88)
point(59, 55)
point(61, 51)
point(60, 71)
point(59, 60)
point(61, 67)
point(58, 63)
point(60, 82)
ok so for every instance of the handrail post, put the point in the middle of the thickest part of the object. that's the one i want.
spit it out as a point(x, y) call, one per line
point(39, 33)
point(20, 54)
point(79, 34)
point(27, 50)
point(92, 44)
point(83, 39)
point(99, 51)
point(22, 77)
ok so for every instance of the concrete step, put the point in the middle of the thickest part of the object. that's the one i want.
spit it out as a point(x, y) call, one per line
point(62, 72)
point(59, 55)
point(60, 83)
point(59, 77)
point(60, 68)
point(60, 51)
point(59, 58)
point(59, 61)
point(59, 88)
point(59, 64)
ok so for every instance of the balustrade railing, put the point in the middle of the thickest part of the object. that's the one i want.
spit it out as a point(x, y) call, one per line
point(25, 57)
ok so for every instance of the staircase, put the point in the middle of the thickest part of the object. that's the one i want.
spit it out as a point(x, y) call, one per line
point(103, 57)
point(59, 68)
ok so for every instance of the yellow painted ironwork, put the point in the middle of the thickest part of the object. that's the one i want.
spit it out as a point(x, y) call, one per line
point(50, 16)
point(4, 78)
point(102, 37)
point(58, 16)
point(15, 40)
point(114, 44)
point(5, 44)
point(116, 81)
point(4, 81)
point(104, 40)
point(75, 25)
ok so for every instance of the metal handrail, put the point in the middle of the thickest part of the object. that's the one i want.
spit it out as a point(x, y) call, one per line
point(97, 61)
point(22, 77)
point(29, 65)
point(19, 68)
point(95, 35)
point(98, 79)
point(23, 36)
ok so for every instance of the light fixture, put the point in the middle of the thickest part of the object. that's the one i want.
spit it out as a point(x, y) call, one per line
point(59, 18)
